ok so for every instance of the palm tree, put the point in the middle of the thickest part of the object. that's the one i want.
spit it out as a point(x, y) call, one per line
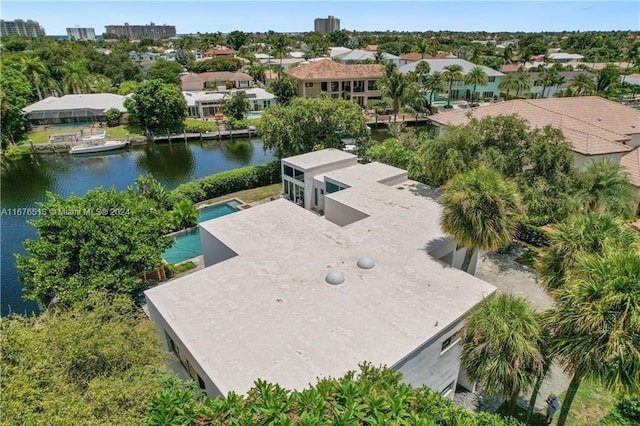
point(595, 322)
point(585, 233)
point(76, 77)
point(280, 48)
point(607, 78)
point(423, 47)
point(434, 83)
point(36, 71)
point(524, 82)
point(604, 185)
point(550, 78)
point(390, 68)
point(452, 72)
point(582, 84)
point(477, 77)
point(500, 346)
point(184, 214)
point(508, 83)
point(399, 89)
point(378, 57)
point(507, 55)
point(475, 54)
point(480, 211)
point(422, 70)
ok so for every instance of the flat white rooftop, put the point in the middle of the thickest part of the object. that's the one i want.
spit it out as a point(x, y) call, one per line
point(365, 174)
point(268, 312)
point(314, 159)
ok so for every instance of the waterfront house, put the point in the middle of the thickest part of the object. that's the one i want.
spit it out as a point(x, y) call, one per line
point(289, 296)
point(565, 58)
point(551, 91)
point(85, 108)
point(357, 56)
point(205, 104)
point(410, 57)
point(354, 82)
point(596, 128)
point(460, 90)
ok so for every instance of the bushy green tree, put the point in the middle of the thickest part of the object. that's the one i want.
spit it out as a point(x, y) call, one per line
point(392, 152)
point(167, 71)
point(284, 88)
point(236, 39)
point(236, 106)
point(158, 107)
point(310, 124)
point(113, 116)
point(96, 363)
point(184, 215)
point(103, 240)
point(216, 64)
point(16, 94)
point(374, 396)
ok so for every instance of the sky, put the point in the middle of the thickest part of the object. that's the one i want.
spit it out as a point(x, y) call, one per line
point(297, 16)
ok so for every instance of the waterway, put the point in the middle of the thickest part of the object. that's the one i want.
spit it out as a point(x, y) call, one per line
point(26, 180)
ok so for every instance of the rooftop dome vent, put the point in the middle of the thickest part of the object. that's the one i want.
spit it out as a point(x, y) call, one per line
point(366, 262)
point(335, 278)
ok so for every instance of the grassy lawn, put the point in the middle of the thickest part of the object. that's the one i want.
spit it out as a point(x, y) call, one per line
point(112, 132)
point(590, 405)
point(251, 195)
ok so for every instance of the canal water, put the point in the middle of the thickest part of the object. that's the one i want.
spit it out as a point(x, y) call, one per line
point(25, 181)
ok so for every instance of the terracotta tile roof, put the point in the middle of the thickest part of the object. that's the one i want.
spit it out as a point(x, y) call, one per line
point(371, 47)
point(328, 69)
point(631, 161)
point(416, 56)
point(576, 117)
point(240, 76)
point(506, 68)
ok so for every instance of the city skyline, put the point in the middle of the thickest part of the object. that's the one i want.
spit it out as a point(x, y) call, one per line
point(200, 16)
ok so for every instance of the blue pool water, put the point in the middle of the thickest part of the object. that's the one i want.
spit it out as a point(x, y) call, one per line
point(253, 113)
point(187, 243)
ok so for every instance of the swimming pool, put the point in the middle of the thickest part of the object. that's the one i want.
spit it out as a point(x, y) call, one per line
point(187, 243)
point(253, 114)
point(71, 126)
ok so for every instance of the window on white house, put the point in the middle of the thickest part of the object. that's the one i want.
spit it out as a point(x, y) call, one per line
point(450, 341)
point(308, 84)
point(492, 79)
point(448, 389)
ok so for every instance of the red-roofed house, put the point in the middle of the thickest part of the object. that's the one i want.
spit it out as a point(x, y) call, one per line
point(596, 128)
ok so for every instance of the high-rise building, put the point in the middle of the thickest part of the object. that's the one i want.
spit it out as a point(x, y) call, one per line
point(20, 28)
point(326, 26)
point(136, 32)
point(78, 33)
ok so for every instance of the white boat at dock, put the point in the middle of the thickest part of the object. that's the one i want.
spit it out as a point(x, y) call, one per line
point(100, 146)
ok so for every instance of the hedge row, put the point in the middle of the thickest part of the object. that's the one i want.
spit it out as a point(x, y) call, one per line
point(227, 182)
point(532, 235)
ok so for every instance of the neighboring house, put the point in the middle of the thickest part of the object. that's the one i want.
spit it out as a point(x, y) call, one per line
point(289, 296)
point(212, 80)
point(355, 82)
point(150, 56)
point(460, 90)
point(358, 56)
point(550, 92)
point(133, 55)
point(74, 108)
point(220, 51)
point(596, 128)
point(372, 48)
point(597, 66)
point(335, 51)
point(270, 75)
point(206, 104)
point(411, 57)
point(285, 62)
point(564, 57)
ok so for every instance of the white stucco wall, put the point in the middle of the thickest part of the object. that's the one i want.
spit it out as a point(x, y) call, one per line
point(429, 365)
point(163, 327)
point(213, 250)
point(341, 214)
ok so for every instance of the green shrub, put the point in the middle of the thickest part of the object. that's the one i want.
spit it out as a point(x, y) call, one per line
point(227, 182)
point(172, 269)
point(532, 235)
point(113, 117)
point(202, 127)
point(235, 124)
point(447, 106)
point(374, 396)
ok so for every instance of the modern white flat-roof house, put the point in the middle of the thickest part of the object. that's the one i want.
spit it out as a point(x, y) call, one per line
point(207, 103)
point(288, 295)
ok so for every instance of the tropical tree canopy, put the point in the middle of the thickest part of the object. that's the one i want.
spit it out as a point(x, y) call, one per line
point(167, 71)
point(158, 106)
point(372, 396)
point(605, 185)
point(97, 363)
point(284, 88)
point(480, 210)
point(582, 234)
point(500, 346)
point(476, 77)
point(452, 72)
point(310, 124)
point(399, 89)
point(237, 105)
point(103, 240)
